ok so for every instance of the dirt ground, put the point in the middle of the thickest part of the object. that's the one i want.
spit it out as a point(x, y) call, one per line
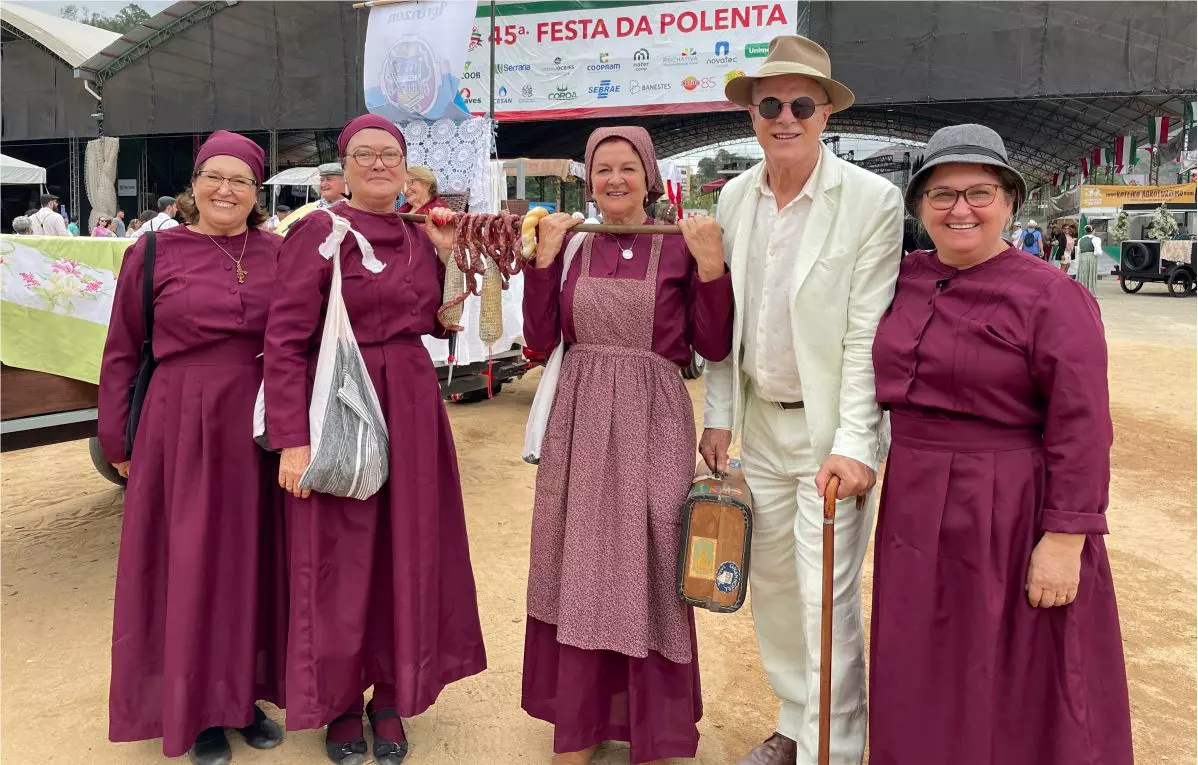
point(61, 524)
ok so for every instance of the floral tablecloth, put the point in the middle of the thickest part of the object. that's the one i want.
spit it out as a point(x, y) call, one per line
point(55, 299)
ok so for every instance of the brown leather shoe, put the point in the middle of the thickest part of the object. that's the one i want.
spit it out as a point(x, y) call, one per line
point(775, 750)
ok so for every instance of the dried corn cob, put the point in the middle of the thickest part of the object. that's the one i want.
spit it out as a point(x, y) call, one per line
point(490, 320)
point(453, 294)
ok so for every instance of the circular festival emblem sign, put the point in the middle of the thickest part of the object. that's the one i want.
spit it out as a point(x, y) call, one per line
point(409, 78)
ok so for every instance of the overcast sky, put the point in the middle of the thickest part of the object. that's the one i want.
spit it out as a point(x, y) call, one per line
point(107, 7)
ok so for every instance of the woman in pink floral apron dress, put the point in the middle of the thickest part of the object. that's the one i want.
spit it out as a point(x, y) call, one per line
point(609, 650)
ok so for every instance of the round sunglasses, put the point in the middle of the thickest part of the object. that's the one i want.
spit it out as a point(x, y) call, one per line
point(802, 107)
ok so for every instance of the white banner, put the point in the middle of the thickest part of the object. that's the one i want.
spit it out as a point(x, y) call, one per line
point(563, 59)
point(413, 52)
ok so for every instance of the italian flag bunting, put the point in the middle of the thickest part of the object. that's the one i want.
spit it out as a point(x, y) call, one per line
point(1125, 152)
point(1096, 158)
point(1189, 113)
point(1158, 129)
point(1056, 180)
point(1085, 168)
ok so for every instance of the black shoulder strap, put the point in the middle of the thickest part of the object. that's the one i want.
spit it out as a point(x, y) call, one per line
point(147, 286)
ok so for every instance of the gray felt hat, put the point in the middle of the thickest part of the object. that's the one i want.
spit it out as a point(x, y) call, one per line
point(330, 168)
point(966, 144)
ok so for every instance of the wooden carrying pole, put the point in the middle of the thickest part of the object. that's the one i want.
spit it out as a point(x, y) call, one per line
point(586, 228)
point(825, 622)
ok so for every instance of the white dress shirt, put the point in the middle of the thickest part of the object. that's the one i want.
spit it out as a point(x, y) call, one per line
point(773, 248)
point(159, 222)
point(48, 222)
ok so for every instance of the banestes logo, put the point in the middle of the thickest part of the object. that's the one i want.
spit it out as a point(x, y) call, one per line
point(757, 50)
point(635, 88)
point(603, 89)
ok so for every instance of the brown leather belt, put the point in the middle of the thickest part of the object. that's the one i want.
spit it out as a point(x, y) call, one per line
point(788, 404)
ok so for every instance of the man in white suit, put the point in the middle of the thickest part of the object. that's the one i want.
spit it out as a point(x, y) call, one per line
point(813, 244)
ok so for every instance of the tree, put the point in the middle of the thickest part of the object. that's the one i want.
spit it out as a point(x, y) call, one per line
point(1121, 228)
point(1163, 225)
point(127, 18)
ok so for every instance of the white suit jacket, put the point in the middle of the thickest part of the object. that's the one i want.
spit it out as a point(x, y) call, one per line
point(842, 284)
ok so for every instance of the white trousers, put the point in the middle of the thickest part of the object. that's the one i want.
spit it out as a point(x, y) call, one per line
point(786, 584)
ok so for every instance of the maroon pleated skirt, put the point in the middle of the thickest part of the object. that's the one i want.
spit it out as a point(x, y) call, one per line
point(596, 696)
point(199, 627)
point(382, 590)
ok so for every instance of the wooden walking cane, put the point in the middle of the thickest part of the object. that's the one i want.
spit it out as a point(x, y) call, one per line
point(825, 623)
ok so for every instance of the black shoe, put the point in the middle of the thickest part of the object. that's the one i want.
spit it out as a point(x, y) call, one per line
point(211, 748)
point(352, 753)
point(387, 752)
point(263, 732)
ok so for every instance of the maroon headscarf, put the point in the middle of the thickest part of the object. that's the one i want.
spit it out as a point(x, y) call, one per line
point(222, 143)
point(641, 143)
point(369, 121)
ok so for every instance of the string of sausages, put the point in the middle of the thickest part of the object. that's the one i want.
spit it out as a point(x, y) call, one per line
point(477, 238)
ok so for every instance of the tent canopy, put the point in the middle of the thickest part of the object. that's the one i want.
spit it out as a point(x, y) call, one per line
point(295, 176)
point(13, 170)
point(715, 185)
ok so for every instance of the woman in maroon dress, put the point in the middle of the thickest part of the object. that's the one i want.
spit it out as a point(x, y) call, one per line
point(609, 650)
point(420, 191)
point(382, 592)
point(995, 637)
point(199, 629)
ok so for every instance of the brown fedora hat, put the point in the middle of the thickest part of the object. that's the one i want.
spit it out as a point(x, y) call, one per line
point(792, 54)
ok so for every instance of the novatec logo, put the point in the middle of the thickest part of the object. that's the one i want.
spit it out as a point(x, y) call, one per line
point(604, 65)
point(603, 89)
point(721, 54)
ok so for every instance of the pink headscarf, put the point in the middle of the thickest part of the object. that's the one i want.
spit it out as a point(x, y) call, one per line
point(357, 124)
point(222, 143)
point(641, 143)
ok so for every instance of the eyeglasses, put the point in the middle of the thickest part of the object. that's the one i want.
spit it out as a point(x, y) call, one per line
point(214, 180)
point(367, 157)
point(979, 195)
point(802, 107)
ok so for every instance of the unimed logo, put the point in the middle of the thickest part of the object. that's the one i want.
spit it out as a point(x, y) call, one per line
point(757, 50)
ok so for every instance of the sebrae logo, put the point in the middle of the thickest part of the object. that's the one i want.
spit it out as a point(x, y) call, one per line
point(603, 89)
